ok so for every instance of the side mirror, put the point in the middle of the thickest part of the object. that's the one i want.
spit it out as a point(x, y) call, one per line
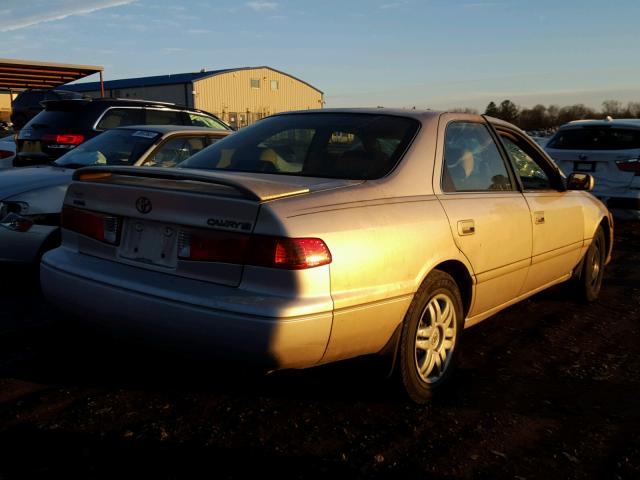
point(580, 181)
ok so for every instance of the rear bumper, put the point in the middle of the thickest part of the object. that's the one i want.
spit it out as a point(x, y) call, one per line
point(156, 305)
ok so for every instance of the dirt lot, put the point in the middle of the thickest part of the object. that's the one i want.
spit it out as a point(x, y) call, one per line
point(549, 388)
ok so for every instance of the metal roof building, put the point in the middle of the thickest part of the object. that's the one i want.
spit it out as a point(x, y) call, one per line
point(239, 96)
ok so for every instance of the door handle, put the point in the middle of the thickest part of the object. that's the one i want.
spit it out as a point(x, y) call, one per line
point(466, 227)
point(538, 218)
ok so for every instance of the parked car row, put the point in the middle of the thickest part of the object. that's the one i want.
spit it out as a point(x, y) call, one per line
point(65, 124)
point(32, 197)
point(311, 237)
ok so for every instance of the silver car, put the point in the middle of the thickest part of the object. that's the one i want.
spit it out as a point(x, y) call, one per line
point(31, 198)
point(312, 237)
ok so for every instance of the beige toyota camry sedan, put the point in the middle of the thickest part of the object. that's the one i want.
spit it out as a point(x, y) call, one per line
point(312, 237)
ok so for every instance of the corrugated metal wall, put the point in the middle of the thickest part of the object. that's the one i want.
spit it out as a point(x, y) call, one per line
point(5, 106)
point(236, 98)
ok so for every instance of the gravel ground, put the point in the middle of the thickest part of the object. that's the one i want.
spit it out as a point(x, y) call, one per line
point(549, 388)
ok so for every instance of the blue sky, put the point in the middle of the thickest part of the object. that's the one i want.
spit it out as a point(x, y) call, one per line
point(395, 53)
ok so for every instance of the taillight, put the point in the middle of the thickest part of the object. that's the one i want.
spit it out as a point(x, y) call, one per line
point(289, 253)
point(226, 247)
point(105, 228)
point(258, 250)
point(632, 165)
point(6, 154)
point(63, 139)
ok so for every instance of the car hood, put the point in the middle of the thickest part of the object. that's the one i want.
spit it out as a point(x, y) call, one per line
point(19, 180)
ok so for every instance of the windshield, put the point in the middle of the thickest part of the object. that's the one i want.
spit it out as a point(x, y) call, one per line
point(113, 147)
point(333, 145)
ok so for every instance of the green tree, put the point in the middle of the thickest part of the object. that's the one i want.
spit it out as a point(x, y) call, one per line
point(492, 110)
point(508, 111)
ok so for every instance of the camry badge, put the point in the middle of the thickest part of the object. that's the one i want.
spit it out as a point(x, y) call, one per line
point(143, 204)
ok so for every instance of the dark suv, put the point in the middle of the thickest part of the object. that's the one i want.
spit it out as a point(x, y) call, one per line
point(27, 104)
point(64, 124)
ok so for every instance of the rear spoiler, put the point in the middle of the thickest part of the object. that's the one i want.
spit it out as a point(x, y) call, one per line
point(247, 185)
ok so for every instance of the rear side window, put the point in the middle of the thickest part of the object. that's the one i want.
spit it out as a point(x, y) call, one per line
point(198, 120)
point(120, 117)
point(163, 117)
point(330, 145)
point(596, 138)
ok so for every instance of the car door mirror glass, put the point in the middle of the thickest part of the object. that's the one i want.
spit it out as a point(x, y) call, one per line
point(580, 181)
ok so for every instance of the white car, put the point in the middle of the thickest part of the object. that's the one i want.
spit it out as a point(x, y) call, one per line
point(609, 150)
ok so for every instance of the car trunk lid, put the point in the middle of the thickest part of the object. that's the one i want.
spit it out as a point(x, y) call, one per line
point(158, 212)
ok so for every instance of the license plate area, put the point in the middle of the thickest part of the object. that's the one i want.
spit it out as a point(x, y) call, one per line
point(588, 167)
point(152, 243)
point(31, 146)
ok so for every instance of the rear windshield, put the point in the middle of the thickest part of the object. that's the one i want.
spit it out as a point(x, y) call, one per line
point(596, 138)
point(113, 147)
point(60, 120)
point(348, 146)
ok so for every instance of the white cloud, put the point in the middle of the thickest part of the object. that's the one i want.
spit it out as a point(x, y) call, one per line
point(170, 50)
point(20, 14)
point(387, 6)
point(262, 6)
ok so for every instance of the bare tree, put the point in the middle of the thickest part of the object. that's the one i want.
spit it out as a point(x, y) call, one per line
point(613, 108)
point(464, 110)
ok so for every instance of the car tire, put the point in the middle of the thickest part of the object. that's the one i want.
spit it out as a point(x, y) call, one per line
point(592, 272)
point(430, 336)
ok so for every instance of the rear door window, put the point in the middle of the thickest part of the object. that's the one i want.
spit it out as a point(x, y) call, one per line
point(596, 138)
point(120, 117)
point(472, 161)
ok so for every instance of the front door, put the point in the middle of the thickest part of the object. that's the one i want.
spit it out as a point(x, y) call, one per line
point(557, 219)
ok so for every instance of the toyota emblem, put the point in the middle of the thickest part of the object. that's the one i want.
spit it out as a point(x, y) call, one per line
point(143, 204)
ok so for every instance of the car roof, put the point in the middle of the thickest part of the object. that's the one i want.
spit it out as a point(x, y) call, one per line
point(418, 114)
point(165, 129)
point(608, 122)
point(107, 102)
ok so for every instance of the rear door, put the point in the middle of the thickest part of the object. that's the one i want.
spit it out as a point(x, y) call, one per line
point(488, 216)
point(557, 218)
